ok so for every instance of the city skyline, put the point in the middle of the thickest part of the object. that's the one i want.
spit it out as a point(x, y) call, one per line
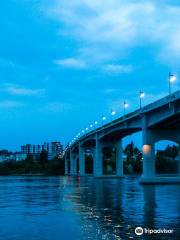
point(64, 65)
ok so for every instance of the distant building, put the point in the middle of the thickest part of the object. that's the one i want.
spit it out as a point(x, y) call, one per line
point(16, 156)
point(53, 149)
point(28, 149)
point(19, 156)
point(38, 149)
point(45, 147)
point(5, 155)
point(4, 158)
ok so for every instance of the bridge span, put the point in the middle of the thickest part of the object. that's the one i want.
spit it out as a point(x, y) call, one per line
point(157, 121)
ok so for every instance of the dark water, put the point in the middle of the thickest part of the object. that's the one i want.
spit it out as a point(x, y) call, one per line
point(65, 208)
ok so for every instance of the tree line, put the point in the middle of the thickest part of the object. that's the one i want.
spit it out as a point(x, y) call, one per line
point(38, 165)
point(166, 162)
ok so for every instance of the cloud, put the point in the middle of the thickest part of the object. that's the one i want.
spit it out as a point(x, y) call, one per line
point(110, 90)
point(14, 90)
point(57, 107)
point(117, 26)
point(71, 63)
point(6, 63)
point(8, 104)
point(116, 68)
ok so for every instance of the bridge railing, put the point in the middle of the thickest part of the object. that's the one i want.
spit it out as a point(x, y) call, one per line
point(164, 101)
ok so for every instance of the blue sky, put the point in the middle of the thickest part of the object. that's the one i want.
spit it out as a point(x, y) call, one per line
point(65, 63)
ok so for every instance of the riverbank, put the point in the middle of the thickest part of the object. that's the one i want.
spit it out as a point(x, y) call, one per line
point(32, 168)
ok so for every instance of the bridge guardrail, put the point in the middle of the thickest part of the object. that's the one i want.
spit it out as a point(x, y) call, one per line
point(165, 100)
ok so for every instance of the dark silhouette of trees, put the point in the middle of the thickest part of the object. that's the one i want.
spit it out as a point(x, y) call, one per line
point(166, 160)
point(133, 163)
point(43, 158)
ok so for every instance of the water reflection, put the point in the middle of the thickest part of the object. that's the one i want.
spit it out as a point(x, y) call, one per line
point(85, 208)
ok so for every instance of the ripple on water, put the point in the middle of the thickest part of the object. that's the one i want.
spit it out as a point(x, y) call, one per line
point(45, 208)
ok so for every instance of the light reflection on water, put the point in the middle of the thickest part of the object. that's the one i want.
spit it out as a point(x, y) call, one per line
point(85, 208)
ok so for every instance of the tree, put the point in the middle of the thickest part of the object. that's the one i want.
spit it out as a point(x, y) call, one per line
point(43, 157)
point(29, 158)
point(129, 151)
point(134, 158)
point(165, 160)
point(171, 151)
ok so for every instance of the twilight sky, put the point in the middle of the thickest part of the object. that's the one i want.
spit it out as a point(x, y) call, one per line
point(65, 63)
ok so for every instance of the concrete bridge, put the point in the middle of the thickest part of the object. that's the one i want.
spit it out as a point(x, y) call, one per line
point(157, 121)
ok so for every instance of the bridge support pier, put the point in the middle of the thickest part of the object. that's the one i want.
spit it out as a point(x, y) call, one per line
point(81, 161)
point(150, 137)
point(66, 165)
point(148, 154)
point(119, 159)
point(98, 159)
point(179, 164)
point(73, 164)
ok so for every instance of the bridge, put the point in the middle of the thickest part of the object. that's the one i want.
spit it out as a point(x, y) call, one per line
point(157, 121)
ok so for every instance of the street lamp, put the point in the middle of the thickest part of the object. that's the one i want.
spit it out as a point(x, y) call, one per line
point(96, 122)
point(103, 119)
point(172, 78)
point(126, 105)
point(141, 96)
point(112, 113)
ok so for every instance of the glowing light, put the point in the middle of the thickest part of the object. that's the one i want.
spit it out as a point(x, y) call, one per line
point(172, 78)
point(113, 112)
point(91, 126)
point(142, 94)
point(126, 105)
point(146, 149)
point(96, 122)
point(86, 129)
point(103, 118)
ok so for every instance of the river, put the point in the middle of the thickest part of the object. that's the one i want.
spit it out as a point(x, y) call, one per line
point(65, 208)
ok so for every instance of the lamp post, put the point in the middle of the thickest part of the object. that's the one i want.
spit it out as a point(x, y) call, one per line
point(141, 96)
point(126, 105)
point(172, 78)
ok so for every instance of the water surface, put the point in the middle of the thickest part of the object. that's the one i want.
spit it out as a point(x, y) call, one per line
point(61, 208)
